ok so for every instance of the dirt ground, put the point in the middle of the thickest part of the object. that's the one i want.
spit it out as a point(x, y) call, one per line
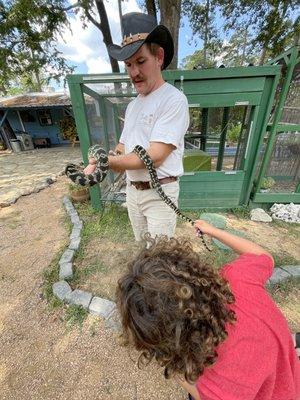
point(39, 358)
point(111, 257)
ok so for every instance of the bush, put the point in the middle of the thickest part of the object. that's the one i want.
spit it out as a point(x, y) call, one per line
point(233, 132)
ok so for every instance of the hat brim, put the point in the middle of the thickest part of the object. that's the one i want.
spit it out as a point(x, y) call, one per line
point(159, 35)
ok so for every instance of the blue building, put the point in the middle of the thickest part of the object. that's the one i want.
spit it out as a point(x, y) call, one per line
point(34, 119)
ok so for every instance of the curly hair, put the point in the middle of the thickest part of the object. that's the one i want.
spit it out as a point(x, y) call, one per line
point(173, 308)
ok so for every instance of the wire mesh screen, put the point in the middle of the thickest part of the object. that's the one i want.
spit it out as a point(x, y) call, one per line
point(291, 109)
point(283, 172)
point(220, 133)
point(94, 120)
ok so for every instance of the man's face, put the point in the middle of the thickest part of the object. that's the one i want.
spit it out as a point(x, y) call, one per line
point(144, 70)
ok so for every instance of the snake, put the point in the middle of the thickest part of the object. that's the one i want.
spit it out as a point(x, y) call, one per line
point(76, 174)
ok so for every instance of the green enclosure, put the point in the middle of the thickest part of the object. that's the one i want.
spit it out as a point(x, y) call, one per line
point(228, 104)
point(281, 159)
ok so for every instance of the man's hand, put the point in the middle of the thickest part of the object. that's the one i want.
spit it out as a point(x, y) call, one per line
point(90, 169)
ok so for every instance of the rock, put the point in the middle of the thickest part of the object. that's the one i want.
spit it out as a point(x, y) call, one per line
point(49, 181)
point(75, 233)
point(293, 270)
point(102, 307)
point(74, 244)
point(259, 215)
point(66, 257)
point(214, 219)
point(79, 298)
point(61, 289)
point(65, 270)
point(74, 218)
point(286, 212)
point(114, 321)
point(279, 275)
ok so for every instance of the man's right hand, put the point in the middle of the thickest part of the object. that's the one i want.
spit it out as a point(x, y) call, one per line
point(90, 169)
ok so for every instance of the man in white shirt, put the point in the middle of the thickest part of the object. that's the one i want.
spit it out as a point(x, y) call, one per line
point(156, 119)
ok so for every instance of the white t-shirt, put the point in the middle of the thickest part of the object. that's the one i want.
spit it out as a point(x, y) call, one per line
point(161, 116)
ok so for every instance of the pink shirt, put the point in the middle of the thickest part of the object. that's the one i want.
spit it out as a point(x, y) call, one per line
point(258, 360)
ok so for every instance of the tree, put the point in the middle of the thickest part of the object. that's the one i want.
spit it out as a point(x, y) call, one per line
point(102, 23)
point(199, 59)
point(270, 21)
point(28, 33)
point(27, 43)
point(239, 51)
point(202, 22)
point(170, 14)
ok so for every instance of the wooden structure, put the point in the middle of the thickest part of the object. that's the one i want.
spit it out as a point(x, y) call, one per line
point(250, 90)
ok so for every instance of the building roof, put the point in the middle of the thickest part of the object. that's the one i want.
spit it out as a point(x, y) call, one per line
point(35, 100)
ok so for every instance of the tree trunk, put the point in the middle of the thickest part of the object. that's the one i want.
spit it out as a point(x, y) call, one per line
point(170, 11)
point(263, 55)
point(151, 8)
point(105, 29)
point(205, 42)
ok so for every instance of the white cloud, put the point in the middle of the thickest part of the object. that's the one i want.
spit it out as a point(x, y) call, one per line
point(85, 46)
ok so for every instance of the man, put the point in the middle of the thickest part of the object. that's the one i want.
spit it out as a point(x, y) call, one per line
point(156, 119)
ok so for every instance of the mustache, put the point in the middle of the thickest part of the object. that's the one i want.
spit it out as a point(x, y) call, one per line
point(137, 79)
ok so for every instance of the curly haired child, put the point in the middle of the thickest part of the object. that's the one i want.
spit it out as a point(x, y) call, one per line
point(218, 333)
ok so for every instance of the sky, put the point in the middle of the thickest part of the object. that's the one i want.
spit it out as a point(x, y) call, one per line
point(85, 49)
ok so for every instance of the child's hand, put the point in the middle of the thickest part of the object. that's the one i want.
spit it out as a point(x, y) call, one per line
point(204, 226)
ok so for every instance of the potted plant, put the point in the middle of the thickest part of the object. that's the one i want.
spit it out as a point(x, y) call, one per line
point(266, 184)
point(78, 193)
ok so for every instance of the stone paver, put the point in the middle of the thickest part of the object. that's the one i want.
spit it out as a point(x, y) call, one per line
point(79, 298)
point(31, 171)
point(61, 289)
point(101, 307)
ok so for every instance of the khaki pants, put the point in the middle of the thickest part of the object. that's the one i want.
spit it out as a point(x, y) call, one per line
point(148, 213)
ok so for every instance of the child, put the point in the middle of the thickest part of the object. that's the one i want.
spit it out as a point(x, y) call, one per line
point(218, 333)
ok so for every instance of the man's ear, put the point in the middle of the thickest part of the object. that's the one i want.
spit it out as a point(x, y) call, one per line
point(160, 56)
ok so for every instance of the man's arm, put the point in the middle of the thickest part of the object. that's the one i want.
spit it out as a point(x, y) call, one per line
point(158, 152)
point(238, 244)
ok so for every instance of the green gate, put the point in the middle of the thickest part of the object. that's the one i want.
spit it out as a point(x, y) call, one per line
point(224, 176)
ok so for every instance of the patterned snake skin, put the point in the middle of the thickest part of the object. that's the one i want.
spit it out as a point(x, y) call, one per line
point(76, 174)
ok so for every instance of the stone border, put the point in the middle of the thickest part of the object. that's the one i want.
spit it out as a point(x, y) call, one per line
point(102, 307)
point(95, 305)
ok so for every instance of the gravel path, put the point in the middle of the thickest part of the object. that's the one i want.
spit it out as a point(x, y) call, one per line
point(39, 358)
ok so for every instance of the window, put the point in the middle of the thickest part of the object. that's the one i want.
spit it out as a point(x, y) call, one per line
point(44, 117)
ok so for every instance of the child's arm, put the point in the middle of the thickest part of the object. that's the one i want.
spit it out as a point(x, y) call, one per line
point(238, 244)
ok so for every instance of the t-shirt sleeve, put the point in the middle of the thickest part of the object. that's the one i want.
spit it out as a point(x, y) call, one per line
point(250, 268)
point(172, 124)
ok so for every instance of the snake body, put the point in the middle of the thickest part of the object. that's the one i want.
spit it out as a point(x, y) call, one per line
point(76, 174)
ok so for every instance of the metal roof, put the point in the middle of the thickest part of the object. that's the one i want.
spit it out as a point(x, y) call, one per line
point(35, 100)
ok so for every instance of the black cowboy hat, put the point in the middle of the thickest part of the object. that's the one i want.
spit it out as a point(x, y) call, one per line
point(138, 29)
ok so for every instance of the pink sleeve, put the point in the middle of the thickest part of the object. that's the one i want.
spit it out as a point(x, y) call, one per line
point(249, 268)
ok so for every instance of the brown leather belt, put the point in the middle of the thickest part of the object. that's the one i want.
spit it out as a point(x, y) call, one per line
point(140, 185)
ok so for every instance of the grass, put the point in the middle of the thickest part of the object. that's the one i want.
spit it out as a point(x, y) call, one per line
point(242, 212)
point(284, 258)
point(75, 316)
point(292, 228)
point(50, 276)
point(113, 224)
point(80, 274)
point(281, 290)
